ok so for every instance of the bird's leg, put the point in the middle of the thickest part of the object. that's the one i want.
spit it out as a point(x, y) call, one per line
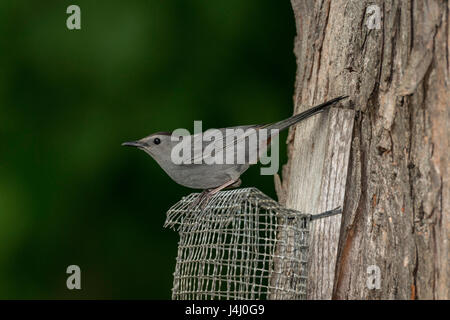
point(236, 184)
point(204, 197)
point(226, 184)
point(199, 199)
point(212, 192)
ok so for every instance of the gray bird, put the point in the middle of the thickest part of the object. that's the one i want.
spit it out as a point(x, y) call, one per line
point(197, 171)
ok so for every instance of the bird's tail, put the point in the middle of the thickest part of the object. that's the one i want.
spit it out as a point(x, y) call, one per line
point(283, 124)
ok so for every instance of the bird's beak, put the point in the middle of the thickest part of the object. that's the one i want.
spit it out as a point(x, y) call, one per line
point(136, 144)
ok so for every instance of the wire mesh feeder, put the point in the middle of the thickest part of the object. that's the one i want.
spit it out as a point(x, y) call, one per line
point(242, 245)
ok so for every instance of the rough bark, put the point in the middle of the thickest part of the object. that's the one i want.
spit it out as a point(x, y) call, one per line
point(396, 208)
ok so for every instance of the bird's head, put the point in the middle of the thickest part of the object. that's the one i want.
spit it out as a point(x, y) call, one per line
point(157, 145)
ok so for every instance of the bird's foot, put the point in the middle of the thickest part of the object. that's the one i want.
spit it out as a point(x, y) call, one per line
point(204, 197)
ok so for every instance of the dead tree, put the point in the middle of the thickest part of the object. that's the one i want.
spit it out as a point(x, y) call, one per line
point(386, 162)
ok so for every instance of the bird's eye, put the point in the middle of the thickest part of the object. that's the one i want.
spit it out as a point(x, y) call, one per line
point(157, 141)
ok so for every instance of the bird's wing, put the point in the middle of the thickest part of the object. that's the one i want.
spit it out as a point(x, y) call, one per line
point(223, 140)
point(230, 141)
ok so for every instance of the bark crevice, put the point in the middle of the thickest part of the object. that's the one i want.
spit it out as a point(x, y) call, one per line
point(395, 215)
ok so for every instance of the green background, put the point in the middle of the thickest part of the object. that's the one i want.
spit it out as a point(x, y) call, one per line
point(69, 193)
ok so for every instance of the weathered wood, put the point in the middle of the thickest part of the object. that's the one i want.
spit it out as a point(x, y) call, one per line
point(325, 232)
point(396, 211)
point(321, 163)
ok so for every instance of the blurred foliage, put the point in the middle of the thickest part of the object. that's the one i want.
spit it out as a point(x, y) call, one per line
point(69, 193)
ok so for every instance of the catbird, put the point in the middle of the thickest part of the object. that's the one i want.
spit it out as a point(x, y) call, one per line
point(213, 177)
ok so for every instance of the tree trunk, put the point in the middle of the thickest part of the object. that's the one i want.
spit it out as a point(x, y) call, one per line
point(395, 193)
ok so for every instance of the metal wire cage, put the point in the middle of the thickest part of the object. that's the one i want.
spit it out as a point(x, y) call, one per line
point(242, 245)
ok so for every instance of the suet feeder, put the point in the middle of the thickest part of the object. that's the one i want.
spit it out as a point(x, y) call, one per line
point(241, 245)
